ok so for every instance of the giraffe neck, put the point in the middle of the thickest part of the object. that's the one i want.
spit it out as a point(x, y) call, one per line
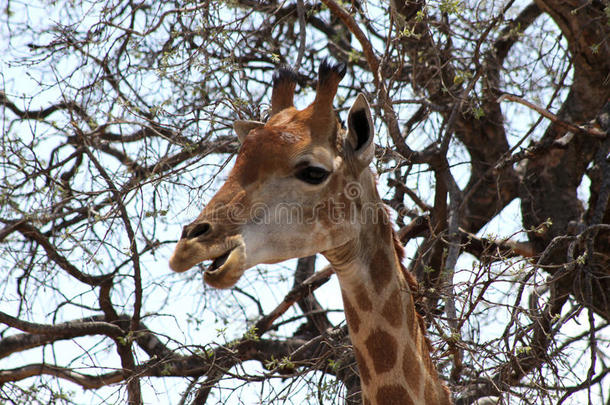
point(388, 337)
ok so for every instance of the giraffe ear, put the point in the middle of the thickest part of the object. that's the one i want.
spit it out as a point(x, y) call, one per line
point(359, 138)
point(244, 127)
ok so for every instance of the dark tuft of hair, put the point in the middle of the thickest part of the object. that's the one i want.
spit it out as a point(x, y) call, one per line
point(284, 73)
point(414, 290)
point(327, 68)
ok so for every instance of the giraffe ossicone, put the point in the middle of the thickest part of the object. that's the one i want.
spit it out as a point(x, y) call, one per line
point(301, 185)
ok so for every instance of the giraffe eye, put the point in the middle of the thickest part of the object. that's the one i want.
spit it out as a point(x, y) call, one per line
point(312, 174)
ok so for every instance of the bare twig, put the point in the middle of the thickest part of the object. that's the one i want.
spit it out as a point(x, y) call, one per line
point(302, 34)
point(34, 234)
point(375, 68)
point(124, 349)
point(592, 131)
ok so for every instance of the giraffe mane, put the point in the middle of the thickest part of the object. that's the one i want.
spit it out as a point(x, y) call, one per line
point(413, 285)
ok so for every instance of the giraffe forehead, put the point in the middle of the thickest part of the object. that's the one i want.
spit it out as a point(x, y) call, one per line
point(266, 151)
point(278, 150)
point(319, 128)
point(275, 141)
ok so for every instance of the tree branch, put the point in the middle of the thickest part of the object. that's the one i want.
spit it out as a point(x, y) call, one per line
point(84, 380)
point(66, 329)
point(297, 293)
point(309, 305)
point(44, 112)
point(145, 338)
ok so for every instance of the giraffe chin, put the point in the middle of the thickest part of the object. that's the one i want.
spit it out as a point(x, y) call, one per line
point(230, 269)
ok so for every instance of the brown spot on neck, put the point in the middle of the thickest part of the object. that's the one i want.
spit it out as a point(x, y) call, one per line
point(381, 269)
point(393, 395)
point(362, 299)
point(383, 350)
point(393, 309)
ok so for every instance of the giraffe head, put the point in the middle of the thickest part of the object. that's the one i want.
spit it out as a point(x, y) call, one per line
point(297, 181)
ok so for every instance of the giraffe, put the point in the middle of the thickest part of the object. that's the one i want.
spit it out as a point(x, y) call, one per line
point(301, 185)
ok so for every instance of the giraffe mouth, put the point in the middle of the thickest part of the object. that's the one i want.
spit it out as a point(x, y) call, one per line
point(226, 269)
point(218, 262)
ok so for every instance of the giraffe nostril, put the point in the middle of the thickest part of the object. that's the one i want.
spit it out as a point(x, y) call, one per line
point(197, 230)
